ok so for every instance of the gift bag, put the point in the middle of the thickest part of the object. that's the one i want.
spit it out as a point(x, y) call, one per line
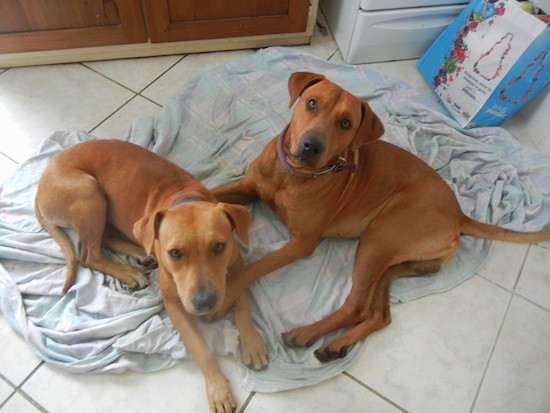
point(489, 62)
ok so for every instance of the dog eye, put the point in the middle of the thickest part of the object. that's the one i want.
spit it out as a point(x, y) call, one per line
point(311, 105)
point(176, 255)
point(345, 123)
point(219, 247)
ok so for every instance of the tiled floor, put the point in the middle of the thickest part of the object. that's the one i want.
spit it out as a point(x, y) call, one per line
point(481, 347)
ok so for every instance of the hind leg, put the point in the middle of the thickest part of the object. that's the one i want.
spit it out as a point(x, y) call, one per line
point(380, 258)
point(373, 308)
point(113, 240)
point(373, 316)
point(90, 230)
point(369, 267)
point(86, 212)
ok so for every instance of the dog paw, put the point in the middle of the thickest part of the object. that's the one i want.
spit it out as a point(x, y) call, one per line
point(254, 351)
point(140, 281)
point(326, 353)
point(220, 397)
point(149, 263)
point(297, 338)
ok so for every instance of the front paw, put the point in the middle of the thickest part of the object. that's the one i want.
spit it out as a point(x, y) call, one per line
point(254, 351)
point(297, 338)
point(220, 397)
point(327, 353)
point(148, 262)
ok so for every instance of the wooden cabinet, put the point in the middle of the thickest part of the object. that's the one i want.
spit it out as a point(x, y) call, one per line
point(56, 31)
point(172, 20)
point(35, 25)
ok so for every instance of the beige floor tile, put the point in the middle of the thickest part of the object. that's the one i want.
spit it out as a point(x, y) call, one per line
point(18, 404)
point(189, 67)
point(517, 377)
point(5, 391)
point(534, 283)
point(118, 124)
point(432, 357)
point(180, 388)
point(503, 263)
point(339, 394)
point(17, 359)
point(135, 74)
point(35, 101)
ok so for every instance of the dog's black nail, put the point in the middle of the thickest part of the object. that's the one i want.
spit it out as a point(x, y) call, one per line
point(343, 352)
point(332, 355)
point(321, 356)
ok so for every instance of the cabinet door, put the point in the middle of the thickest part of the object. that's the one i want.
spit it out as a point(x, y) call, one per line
point(177, 20)
point(34, 25)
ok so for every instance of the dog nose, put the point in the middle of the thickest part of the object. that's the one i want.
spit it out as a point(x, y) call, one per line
point(311, 147)
point(204, 301)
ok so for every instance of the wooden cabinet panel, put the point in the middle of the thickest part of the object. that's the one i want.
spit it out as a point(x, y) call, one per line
point(33, 25)
point(36, 32)
point(178, 20)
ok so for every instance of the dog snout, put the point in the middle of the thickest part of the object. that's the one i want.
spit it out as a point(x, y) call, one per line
point(204, 301)
point(310, 149)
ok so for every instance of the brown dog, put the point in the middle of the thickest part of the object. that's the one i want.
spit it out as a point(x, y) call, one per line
point(155, 204)
point(327, 175)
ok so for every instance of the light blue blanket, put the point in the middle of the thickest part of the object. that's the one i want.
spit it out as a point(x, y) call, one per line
point(214, 127)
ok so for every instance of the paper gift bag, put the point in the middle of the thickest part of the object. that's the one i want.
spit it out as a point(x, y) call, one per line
point(489, 62)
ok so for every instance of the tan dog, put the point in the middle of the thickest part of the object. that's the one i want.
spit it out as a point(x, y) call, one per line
point(327, 175)
point(145, 200)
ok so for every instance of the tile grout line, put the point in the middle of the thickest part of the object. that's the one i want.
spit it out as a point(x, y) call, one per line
point(126, 87)
point(9, 157)
point(247, 401)
point(157, 78)
point(512, 291)
point(521, 268)
point(492, 352)
point(516, 294)
point(18, 390)
point(540, 307)
point(112, 113)
point(107, 77)
point(345, 373)
point(163, 73)
point(13, 388)
point(150, 100)
point(136, 93)
point(492, 282)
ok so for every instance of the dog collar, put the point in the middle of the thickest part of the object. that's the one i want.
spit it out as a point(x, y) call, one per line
point(339, 165)
point(187, 199)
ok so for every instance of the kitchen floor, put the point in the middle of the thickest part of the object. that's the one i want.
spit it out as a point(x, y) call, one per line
point(481, 347)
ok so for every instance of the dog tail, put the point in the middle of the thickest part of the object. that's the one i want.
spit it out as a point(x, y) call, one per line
point(492, 232)
point(64, 242)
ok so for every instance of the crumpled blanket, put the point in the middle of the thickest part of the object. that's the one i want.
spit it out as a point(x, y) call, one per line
point(214, 126)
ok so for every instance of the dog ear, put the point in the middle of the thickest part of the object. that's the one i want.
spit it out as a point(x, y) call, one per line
point(300, 81)
point(370, 129)
point(146, 230)
point(239, 218)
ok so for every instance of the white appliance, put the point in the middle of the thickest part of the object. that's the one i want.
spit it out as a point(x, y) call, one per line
point(382, 30)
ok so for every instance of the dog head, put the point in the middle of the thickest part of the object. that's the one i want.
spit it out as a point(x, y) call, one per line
point(194, 247)
point(327, 121)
